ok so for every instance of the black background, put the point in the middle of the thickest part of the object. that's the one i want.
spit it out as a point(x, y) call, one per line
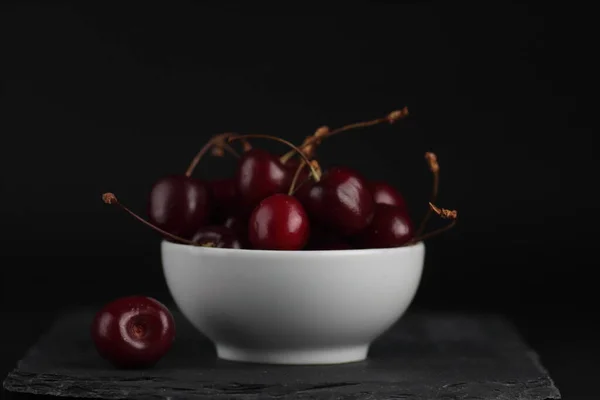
point(110, 98)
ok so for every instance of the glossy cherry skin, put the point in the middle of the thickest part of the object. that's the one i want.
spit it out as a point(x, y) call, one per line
point(224, 199)
point(259, 175)
point(340, 201)
point(133, 332)
point(279, 222)
point(179, 205)
point(217, 236)
point(390, 227)
point(384, 193)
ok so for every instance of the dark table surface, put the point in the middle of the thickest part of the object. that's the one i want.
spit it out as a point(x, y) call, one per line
point(568, 348)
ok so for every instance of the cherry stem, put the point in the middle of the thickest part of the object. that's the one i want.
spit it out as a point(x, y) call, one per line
point(220, 142)
point(434, 167)
point(296, 176)
point(219, 151)
point(110, 198)
point(293, 187)
point(442, 213)
point(300, 185)
point(314, 173)
point(307, 148)
point(324, 132)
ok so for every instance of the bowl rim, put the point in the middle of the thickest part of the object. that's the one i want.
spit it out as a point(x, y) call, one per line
point(292, 253)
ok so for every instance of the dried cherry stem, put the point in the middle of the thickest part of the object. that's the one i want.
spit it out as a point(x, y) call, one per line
point(442, 213)
point(314, 172)
point(434, 167)
point(309, 145)
point(324, 132)
point(220, 151)
point(110, 198)
point(218, 144)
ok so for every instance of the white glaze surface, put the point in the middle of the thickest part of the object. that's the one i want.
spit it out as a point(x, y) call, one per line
point(292, 307)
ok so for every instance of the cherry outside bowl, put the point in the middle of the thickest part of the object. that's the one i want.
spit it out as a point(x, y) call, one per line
point(292, 307)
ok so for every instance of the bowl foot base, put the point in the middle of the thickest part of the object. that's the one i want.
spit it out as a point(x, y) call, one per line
point(337, 355)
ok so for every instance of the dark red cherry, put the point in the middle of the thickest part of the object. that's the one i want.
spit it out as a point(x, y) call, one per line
point(279, 222)
point(340, 201)
point(236, 224)
point(390, 227)
point(239, 226)
point(323, 239)
point(302, 191)
point(179, 205)
point(259, 175)
point(217, 236)
point(292, 166)
point(133, 332)
point(384, 193)
point(331, 246)
point(223, 198)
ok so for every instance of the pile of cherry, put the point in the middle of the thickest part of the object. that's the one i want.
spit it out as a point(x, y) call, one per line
point(285, 202)
point(272, 203)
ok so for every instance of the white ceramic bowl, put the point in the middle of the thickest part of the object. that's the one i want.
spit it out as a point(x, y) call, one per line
point(292, 307)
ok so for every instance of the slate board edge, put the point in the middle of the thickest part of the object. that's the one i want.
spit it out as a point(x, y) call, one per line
point(539, 389)
point(537, 361)
point(41, 384)
point(543, 386)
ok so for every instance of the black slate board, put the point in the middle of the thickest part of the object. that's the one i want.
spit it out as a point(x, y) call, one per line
point(425, 356)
